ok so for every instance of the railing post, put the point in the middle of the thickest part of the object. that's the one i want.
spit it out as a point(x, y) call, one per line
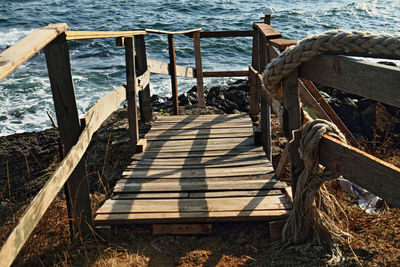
point(199, 69)
point(77, 187)
point(146, 112)
point(174, 82)
point(131, 89)
point(293, 123)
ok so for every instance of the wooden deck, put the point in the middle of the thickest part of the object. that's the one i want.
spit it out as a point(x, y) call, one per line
point(197, 169)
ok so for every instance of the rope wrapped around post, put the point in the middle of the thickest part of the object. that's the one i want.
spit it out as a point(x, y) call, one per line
point(312, 219)
point(330, 41)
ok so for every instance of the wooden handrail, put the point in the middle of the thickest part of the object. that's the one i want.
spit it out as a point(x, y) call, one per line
point(14, 56)
point(81, 35)
point(94, 118)
point(170, 32)
point(222, 34)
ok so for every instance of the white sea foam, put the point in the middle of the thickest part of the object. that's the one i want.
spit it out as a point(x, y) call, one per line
point(11, 36)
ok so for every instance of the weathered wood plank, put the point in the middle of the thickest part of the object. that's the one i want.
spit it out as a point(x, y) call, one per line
point(264, 183)
point(174, 82)
point(14, 56)
point(293, 124)
point(176, 126)
point(196, 132)
point(233, 73)
point(154, 195)
point(164, 68)
point(281, 44)
point(182, 229)
point(203, 143)
point(199, 69)
point(43, 199)
point(196, 205)
point(237, 193)
point(255, 215)
point(197, 136)
point(131, 89)
point(177, 166)
point(62, 87)
point(200, 159)
point(221, 34)
point(192, 154)
point(169, 32)
point(376, 81)
point(365, 170)
point(80, 35)
point(146, 113)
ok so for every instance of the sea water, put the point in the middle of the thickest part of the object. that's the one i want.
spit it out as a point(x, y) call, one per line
point(98, 66)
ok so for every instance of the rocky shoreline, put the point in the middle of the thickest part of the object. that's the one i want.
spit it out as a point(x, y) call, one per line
point(28, 159)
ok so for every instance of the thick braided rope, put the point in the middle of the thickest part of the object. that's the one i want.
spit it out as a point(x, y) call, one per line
point(312, 219)
point(330, 41)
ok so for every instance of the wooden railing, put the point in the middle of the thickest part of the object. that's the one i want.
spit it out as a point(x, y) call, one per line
point(376, 81)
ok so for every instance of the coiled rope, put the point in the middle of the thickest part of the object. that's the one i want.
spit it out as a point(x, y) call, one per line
point(330, 41)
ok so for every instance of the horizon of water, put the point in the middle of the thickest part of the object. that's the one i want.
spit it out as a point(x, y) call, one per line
point(98, 66)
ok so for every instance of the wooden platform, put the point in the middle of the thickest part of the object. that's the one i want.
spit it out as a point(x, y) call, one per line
point(197, 169)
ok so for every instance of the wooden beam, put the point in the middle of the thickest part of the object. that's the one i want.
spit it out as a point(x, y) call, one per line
point(62, 87)
point(234, 73)
point(292, 124)
point(146, 112)
point(376, 81)
point(255, 56)
point(95, 117)
point(199, 69)
point(143, 81)
point(222, 34)
point(131, 89)
point(164, 68)
point(375, 175)
point(174, 82)
point(283, 161)
point(81, 35)
point(254, 94)
point(267, 31)
point(169, 32)
point(14, 56)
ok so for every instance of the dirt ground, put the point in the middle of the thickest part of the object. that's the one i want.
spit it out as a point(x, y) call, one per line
point(375, 237)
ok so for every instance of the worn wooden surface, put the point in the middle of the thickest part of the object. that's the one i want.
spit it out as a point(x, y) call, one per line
point(131, 89)
point(170, 32)
point(194, 173)
point(199, 69)
point(14, 56)
point(221, 34)
point(267, 31)
point(281, 44)
point(80, 35)
point(174, 81)
point(365, 78)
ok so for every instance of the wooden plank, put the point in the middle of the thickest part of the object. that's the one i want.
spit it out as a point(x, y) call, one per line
point(62, 87)
point(166, 186)
point(267, 31)
point(222, 216)
point(199, 69)
point(169, 32)
point(281, 44)
point(14, 56)
point(154, 195)
point(254, 93)
point(146, 113)
point(233, 73)
point(197, 136)
point(198, 132)
point(176, 126)
point(195, 205)
point(237, 193)
point(222, 117)
point(101, 110)
point(237, 178)
point(255, 56)
point(293, 124)
point(192, 154)
point(367, 171)
point(131, 89)
point(204, 122)
point(376, 81)
point(196, 173)
point(141, 146)
point(222, 34)
point(283, 161)
point(191, 143)
point(182, 229)
point(164, 68)
point(143, 81)
point(80, 35)
point(174, 82)
point(175, 166)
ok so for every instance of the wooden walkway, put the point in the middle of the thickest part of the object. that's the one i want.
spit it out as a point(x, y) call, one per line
point(197, 169)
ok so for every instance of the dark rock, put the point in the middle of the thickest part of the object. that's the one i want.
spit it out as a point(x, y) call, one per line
point(240, 98)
